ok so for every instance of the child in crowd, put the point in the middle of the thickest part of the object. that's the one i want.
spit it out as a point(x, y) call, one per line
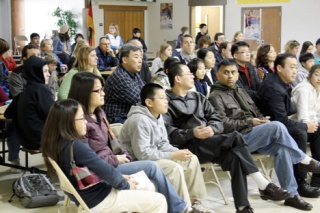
point(164, 53)
point(53, 80)
point(161, 76)
point(197, 68)
point(307, 61)
point(145, 137)
point(136, 34)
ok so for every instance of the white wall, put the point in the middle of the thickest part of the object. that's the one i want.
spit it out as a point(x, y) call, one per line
point(154, 37)
point(5, 20)
point(300, 20)
point(39, 19)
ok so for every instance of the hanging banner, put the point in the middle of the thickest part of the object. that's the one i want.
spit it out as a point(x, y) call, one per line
point(261, 1)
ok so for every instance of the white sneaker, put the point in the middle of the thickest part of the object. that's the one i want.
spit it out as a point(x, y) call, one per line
point(197, 207)
point(14, 170)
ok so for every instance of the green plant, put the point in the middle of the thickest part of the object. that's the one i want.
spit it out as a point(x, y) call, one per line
point(66, 17)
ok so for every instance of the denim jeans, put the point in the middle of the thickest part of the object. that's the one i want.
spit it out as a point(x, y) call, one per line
point(118, 120)
point(156, 175)
point(12, 142)
point(273, 139)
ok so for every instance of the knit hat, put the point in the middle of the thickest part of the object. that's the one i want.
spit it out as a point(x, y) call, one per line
point(64, 28)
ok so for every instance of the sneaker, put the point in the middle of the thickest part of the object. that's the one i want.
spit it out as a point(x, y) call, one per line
point(199, 208)
point(14, 170)
point(248, 209)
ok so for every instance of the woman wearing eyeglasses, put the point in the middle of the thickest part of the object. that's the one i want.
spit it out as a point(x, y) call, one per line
point(87, 88)
point(86, 62)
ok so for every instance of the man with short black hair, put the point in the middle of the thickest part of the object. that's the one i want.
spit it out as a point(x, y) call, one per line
point(192, 123)
point(35, 39)
point(275, 101)
point(316, 53)
point(307, 61)
point(123, 86)
point(203, 31)
point(248, 78)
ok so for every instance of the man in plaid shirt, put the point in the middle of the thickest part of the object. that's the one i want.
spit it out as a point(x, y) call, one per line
point(123, 86)
point(106, 57)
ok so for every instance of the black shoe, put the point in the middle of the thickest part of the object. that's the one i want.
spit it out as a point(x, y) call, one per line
point(1, 159)
point(313, 167)
point(248, 209)
point(298, 203)
point(275, 193)
point(305, 190)
point(315, 182)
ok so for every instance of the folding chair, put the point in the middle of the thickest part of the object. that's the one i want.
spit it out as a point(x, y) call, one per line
point(17, 39)
point(67, 187)
point(265, 163)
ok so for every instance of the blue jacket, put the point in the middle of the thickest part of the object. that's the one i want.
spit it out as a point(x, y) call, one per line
point(58, 46)
point(4, 79)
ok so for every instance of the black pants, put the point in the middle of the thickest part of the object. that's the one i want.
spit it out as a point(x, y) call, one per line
point(231, 152)
point(301, 137)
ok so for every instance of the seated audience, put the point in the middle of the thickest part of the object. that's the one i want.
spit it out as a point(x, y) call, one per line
point(275, 101)
point(17, 82)
point(198, 70)
point(209, 61)
point(238, 36)
point(204, 42)
point(106, 57)
point(114, 37)
point(187, 50)
point(136, 34)
point(306, 62)
point(53, 80)
point(78, 37)
point(239, 113)
point(164, 53)
point(145, 136)
point(192, 123)
point(307, 47)
point(123, 86)
point(35, 39)
point(116, 192)
point(224, 51)
point(6, 55)
point(218, 39)
point(87, 88)
point(73, 57)
point(161, 76)
point(145, 72)
point(316, 53)
point(248, 78)
point(184, 30)
point(292, 47)
point(29, 110)
point(265, 60)
point(61, 42)
point(306, 97)
point(86, 62)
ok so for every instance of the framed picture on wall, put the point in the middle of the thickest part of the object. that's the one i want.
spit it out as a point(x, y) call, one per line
point(166, 13)
point(251, 24)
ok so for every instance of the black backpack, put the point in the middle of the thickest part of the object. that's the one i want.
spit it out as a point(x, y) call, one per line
point(34, 190)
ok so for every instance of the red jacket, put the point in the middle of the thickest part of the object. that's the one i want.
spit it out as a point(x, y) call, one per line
point(9, 62)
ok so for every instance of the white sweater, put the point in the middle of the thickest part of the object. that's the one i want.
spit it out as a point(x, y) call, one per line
point(307, 100)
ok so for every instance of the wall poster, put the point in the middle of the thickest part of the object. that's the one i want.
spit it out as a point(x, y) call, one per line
point(166, 13)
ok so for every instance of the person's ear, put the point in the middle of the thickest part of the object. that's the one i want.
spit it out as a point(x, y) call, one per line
point(303, 64)
point(279, 68)
point(149, 102)
point(177, 79)
point(124, 60)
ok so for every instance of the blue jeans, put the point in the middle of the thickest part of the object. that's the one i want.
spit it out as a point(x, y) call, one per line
point(273, 139)
point(118, 120)
point(156, 175)
point(12, 142)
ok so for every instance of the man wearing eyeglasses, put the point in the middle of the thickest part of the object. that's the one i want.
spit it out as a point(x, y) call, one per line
point(248, 78)
point(192, 123)
point(106, 57)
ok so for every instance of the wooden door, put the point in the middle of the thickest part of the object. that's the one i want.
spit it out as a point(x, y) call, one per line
point(271, 27)
point(126, 18)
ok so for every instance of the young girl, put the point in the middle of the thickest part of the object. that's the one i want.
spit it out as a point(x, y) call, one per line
point(209, 60)
point(164, 53)
point(238, 36)
point(197, 68)
point(116, 193)
point(161, 76)
point(87, 88)
point(306, 97)
point(86, 62)
point(265, 58)
point(61, 43)
point(114, 37)
point(53, 80)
